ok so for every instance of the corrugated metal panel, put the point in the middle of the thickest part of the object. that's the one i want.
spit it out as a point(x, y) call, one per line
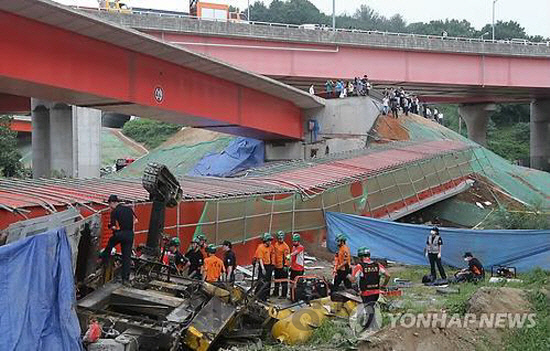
point(320, 176)
point(306, 177)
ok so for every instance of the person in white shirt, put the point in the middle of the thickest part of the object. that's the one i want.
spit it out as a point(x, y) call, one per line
point(436, 114)
point(385, 105)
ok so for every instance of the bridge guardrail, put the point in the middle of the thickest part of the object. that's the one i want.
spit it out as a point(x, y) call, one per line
point(343, 30)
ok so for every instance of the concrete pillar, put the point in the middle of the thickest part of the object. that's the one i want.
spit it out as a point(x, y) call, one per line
point(86, 142)
point(40, 138)
point(65, 140)
point(61, 140)
point(476, 117)
point(540, 135)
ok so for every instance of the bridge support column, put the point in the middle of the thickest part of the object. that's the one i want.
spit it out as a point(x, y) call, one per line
point(476, 117)
point(40, 138)
point(540, 135)
point(65, 140)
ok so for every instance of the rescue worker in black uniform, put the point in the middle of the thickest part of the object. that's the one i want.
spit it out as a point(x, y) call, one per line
point(196, 260)
point(367, 276)
point(122, 224)
point(475, 271)
point(229, 261)
point(174, 258)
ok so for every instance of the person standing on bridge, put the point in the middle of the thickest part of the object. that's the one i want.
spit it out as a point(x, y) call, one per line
point(394, 105)
point(405, 105)
point(366, 84)
point(385, 105)
point(350, 88)
point(329, 85)
point(122, 224)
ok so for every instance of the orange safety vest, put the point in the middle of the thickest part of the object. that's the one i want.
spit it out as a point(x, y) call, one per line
point(281, 252)
point(264, 253)
point(343, 256)
point(213, 266)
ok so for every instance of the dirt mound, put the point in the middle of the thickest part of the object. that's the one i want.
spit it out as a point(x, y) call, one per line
point(485, 300)
point(390, 129)
point(192, 136)
point(423, 339)
point(494, 300)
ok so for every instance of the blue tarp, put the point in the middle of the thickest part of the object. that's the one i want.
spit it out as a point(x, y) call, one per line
point(37, 295)
point(240, 154)
point(404, 243)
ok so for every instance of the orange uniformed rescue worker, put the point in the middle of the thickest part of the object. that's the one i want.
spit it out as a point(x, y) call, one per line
point(281, 263)
point(264, 258)
point(342, 263)
point(296, 257)
point(213, 266)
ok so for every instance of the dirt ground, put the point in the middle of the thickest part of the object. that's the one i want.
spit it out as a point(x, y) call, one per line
point(486, 299)
point(493, 300)
point(390, 129)
point(422, 339)
point(192, 136)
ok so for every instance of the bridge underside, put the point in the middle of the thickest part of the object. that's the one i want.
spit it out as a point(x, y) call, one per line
point(48, 62)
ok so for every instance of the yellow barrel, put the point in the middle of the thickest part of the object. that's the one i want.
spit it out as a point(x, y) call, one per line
point(298, 327)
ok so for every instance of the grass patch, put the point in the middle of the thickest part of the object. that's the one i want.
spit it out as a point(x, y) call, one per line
point(331, 334)
point(149, 132)
point(331, 331)
point(458, 303)
point(538, 337)
point(412, 273)
point(537, 278)
point(112, 148)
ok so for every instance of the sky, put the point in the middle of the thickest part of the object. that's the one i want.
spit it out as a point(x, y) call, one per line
point(534, 15)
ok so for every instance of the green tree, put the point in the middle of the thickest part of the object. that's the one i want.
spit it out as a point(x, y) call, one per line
point(454, 28)
point(259, 12)
point(509, 114)
point(292, 12)
point(506, 30)
point(9, 155)
point(366, 18)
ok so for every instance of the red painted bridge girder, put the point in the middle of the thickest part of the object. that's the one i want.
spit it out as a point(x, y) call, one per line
point(22, 126)
point(465, 76)
point(11, 104)
point(44, 61)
